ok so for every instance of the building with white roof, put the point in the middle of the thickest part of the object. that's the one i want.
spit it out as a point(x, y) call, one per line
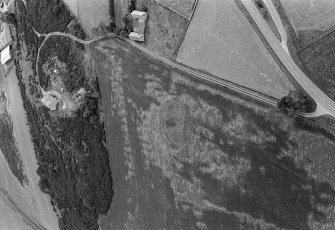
point(139, 19)
point(50, 101)
point(139, 14)
point(6, 55)
point(136, 36)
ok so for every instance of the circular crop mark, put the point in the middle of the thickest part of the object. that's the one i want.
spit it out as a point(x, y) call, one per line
point(175, 124)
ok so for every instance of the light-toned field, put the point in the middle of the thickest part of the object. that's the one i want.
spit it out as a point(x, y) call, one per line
point(310, 14)
point(90, 13)
point(221, 41)
point(9, 219)
point(30, 199)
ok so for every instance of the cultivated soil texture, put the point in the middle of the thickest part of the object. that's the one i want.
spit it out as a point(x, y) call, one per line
point(227, 46)
point(189, 155)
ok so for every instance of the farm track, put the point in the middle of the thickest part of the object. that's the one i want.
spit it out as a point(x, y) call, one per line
point(200, 75)
point(27, 219)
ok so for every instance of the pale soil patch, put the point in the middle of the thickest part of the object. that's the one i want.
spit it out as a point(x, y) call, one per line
point(31, 199)
point(221, 41)
point(9, 219)
point(90, 13)
point(310, 14)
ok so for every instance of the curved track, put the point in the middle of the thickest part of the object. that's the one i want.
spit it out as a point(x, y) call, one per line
point(195, 73)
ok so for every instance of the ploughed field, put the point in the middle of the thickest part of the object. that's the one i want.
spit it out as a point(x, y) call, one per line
point(189, 155)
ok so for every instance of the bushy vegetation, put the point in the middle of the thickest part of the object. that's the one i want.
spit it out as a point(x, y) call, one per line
point(8, 144)
point(67, 52)
point(295, 102)
point(72, 157)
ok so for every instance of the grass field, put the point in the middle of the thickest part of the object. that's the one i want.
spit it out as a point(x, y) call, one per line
point(221, 41)
point(189, 155)
point(310, 18)
point(182, 7)
point(90, 13)
point(319, 59)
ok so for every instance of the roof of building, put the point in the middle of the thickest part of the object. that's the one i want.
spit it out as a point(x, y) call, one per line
point(136, 36)
point(6, 55)
point(50, 101)
point(139, 14)
point(5, 36)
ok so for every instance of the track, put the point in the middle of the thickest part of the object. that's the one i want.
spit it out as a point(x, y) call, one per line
point(325, 105)
point(192, 72)
point(10, 202)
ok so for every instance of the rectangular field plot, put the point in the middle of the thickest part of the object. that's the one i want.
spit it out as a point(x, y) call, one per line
point(184, 8)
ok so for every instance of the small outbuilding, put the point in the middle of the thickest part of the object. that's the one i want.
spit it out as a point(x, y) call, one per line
point(139, 15)
point(5, 43)
point(50, 101)
point(6, 55)
point(136, 36)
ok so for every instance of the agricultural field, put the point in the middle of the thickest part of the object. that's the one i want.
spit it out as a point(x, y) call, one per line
point(227, 46)
point(186, 154)
point(309, 18)
point(9, 219)
point(314, 53)
point(90, 13)
point(182, 7)
point(319, 59)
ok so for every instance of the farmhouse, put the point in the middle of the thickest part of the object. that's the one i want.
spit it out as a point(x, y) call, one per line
point(136, 36)
point(139, 19)
point(50, 101)
point(139, 15)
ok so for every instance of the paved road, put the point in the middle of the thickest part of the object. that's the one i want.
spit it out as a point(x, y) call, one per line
point(325, 105)
point(195, 73)
point(276, 18)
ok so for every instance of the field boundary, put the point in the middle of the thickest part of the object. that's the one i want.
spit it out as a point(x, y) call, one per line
point(180, 14)
point(316, 39)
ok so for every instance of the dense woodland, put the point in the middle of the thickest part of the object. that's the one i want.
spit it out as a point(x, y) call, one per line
point(72, 157)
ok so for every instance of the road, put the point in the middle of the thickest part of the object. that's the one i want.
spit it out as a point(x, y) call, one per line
point(195, 73)
point(276, 18)
point(325, 105)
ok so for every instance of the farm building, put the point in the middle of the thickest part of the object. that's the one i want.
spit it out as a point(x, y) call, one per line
point(139, 19)
point(139, 15)
point(5, 43)
point(136, 36)
point(6, 55)
point(50, 101)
